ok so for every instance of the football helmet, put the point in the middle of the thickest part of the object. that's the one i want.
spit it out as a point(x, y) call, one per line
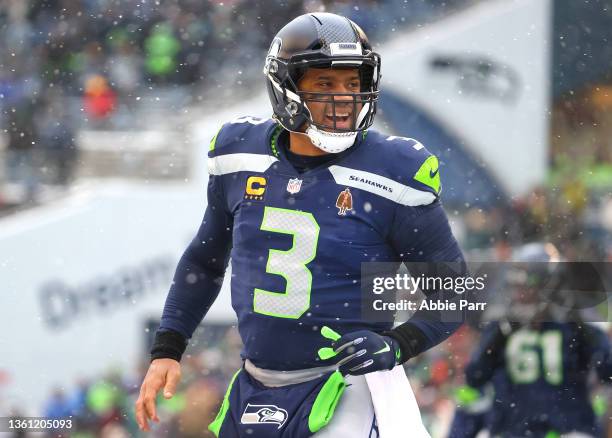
point(321, 40)
point(534, 280)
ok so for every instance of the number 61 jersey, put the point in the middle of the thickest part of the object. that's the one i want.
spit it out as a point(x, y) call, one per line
point(297, 240)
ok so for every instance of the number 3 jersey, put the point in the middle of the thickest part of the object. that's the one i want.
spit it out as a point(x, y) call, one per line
point(297, 240)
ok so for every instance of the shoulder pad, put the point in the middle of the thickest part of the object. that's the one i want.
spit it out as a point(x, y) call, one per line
point(243, 140)
point(399, 169)
point(236, 132)
point(410, 163)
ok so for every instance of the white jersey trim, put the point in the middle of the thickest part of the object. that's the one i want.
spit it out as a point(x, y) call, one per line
point(231, 163)
point(381, 186)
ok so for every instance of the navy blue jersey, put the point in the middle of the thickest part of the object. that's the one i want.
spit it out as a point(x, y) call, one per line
point(297, 240)
point(541, 377)
point(472, 409)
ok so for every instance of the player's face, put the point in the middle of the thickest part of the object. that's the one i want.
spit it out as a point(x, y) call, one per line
point(335, 81)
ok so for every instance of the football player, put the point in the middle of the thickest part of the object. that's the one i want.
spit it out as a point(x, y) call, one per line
point(539, 364)
point(299, 202)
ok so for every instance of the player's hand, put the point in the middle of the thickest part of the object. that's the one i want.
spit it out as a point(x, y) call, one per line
point(361, 352)
point(162, 373)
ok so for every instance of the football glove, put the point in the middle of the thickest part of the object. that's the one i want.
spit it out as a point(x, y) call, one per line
point(361, 352)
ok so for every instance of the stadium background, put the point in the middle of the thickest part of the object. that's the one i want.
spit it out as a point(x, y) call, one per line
point(106, 111)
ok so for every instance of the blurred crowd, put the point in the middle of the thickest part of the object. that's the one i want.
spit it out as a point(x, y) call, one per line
point(103, 406)
point(573, 208)
point(69, 65)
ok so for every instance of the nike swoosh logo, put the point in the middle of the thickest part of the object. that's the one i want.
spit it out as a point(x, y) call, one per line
point(432, 173)
point(384, 349)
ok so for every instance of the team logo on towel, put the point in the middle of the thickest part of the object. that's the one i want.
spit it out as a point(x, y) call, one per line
point(344, 202)
point(259, 414)
point(294, 185)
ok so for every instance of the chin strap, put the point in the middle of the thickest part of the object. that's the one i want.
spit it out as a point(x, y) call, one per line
point(335, 142)
point(331, 142)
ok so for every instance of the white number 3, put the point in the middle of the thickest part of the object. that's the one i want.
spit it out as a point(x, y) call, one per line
point(290, 264)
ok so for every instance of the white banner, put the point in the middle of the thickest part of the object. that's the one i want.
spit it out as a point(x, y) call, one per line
point(484, 75)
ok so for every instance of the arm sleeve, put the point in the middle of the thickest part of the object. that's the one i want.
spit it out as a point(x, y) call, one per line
point(487, 357)
point(200, 271)
point(422, 234)
point(600, 354)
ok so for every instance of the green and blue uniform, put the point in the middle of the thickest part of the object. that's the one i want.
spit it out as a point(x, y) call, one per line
point(296, 257)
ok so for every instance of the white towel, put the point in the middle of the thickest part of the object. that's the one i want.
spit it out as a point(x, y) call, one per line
point(397, 412)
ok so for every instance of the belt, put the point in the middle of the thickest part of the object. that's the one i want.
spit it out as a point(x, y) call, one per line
point(274, 378)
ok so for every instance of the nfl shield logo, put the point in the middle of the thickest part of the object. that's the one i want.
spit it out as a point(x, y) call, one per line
point(294, 185)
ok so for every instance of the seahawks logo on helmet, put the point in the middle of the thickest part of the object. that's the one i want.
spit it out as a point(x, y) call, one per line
point(261, 414)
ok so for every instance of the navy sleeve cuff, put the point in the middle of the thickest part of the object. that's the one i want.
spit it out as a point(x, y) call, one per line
point(168, 344)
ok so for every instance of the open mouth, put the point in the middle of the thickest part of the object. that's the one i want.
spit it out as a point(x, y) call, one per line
point(340, 120)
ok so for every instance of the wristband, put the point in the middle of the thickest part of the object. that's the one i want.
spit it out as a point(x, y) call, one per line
point(168, 344)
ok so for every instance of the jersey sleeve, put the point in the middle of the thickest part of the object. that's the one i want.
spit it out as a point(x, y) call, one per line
point(487, 357)
point(599, 353)
point(417, 169)
point(421, 233)
point(200, 271)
